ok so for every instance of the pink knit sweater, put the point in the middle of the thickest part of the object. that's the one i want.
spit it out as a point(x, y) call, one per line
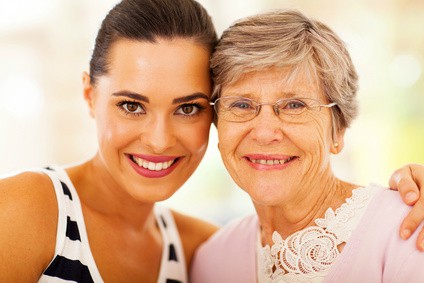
point(374, 253)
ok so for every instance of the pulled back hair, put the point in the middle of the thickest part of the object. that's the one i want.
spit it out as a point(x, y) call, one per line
point(287, 38)
point(148, 20)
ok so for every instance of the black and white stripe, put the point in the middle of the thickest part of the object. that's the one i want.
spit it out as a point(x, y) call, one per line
point(73, 261)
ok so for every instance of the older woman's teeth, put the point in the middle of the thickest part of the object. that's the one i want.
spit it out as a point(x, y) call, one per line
point(152, 165)
point(272, 161)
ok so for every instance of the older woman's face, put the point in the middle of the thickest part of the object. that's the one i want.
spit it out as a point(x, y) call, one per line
point(272, 158)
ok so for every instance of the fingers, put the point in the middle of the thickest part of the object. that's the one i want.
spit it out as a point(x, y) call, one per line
point(409, 181)
point(403, 180)
point(411, 222)
point(420, 240)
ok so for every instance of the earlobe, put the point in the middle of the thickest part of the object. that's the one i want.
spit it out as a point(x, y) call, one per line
point(338, 142)
point(88, 92)
point(336, 147)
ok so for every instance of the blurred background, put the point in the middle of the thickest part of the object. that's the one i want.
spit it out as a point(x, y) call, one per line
point(45, 45)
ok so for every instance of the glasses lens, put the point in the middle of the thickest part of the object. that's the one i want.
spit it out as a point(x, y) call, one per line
point(296, 110)
point(292, 106)
point(236, 109)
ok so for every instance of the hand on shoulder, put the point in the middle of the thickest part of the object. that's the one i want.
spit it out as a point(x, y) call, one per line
point(28, 223)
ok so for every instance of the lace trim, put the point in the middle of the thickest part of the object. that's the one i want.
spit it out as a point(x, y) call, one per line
point(312, 250)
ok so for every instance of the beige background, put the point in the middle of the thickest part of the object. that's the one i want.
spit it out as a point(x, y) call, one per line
point(45, 45)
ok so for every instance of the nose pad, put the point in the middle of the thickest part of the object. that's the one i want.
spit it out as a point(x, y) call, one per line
point(267, 127)
point(276, 110)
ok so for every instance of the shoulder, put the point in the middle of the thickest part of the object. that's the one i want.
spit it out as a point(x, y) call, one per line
point(28, 221)
point(375, 251)
point(30, 191)
point(387, 203)
point(232, 248)
point(191, 225)
point(193, 232)
point(239, 229)
point(385, 212)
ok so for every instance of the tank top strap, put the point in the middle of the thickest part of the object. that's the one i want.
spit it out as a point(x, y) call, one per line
point(73, 260)
point(173, 264)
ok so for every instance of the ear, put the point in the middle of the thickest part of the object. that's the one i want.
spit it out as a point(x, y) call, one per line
point(338, 142)
point(88, 91)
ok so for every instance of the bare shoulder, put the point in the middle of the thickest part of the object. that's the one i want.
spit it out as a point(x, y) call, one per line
point(28, 221)
point(193, 232)
point(194, 227)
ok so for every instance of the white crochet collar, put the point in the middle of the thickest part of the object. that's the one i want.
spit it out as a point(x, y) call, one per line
point(306, 255)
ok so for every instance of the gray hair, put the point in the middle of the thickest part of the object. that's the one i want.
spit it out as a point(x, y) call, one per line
point(286, 38)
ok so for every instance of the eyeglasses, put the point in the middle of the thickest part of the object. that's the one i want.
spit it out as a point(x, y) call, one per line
point(241, 109)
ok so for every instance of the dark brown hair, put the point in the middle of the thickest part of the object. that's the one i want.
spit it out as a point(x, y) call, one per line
point(147, 20)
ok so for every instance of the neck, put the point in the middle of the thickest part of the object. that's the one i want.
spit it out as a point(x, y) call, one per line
point(102, 197)
point(310, 202)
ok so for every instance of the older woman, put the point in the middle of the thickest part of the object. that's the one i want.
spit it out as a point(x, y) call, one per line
point(285, 95)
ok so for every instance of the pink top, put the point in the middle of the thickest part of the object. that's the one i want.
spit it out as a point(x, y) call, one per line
point(374, 253)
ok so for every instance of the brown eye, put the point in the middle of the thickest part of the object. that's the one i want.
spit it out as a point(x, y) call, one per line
point(187, 109)
point(132, 107)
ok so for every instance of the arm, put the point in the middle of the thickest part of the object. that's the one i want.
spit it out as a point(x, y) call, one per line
point(28, 219)
point(409, 180)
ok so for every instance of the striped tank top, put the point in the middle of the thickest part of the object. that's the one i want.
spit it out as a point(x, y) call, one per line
point(73, 261)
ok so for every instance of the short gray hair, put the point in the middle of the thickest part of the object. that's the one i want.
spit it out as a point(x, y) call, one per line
point(287, 38)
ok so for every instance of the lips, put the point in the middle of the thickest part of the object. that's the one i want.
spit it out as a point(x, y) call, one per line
point(153, 166)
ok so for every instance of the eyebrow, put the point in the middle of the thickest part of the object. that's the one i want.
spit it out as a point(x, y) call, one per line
point(190, 98)
point(283, 94)
point(132, 95)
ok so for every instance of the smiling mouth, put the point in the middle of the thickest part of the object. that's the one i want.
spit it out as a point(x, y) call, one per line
point(272, 161)
point(152, 166)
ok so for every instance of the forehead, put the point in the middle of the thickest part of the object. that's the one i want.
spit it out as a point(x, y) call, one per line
point(287, 81)
point(175, 67)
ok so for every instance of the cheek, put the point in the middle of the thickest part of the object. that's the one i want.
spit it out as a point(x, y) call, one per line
point(225, 137)
point(230, 137)
point(195, 137)
point(112, 132)
point(313, 137)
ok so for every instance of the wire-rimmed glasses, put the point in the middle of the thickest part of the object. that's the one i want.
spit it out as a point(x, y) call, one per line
point(242, 109)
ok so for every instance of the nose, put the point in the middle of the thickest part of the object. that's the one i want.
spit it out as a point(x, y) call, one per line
point(267, 126)
point(158, 135)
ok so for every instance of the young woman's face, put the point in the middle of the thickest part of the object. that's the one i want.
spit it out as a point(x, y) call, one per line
point(152, 114)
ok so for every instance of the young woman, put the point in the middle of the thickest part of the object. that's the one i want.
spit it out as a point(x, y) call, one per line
point(148, 90)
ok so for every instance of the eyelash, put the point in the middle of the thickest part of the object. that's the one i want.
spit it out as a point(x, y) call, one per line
point(121, 107)
point(199, 107)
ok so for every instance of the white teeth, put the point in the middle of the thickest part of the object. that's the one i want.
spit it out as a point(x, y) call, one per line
point(152, 165)
point(272, 161)
point(159, 166)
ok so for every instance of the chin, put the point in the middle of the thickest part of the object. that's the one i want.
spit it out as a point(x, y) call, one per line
point(152, 194)
point(268, 195)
